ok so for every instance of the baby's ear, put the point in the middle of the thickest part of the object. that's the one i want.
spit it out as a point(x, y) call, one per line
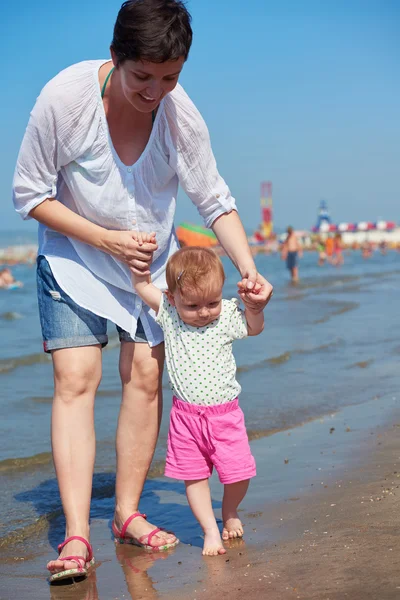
point(170, 297)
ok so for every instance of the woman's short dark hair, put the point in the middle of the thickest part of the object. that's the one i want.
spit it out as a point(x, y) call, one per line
point(152, 30)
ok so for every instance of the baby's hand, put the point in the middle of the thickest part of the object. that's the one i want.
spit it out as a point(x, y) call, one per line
point(256, 299)
point(141, 237)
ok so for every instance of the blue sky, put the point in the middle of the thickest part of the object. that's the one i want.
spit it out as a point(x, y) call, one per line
point(304, 93)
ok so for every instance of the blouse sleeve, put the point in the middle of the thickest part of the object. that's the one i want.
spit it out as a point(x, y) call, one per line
point(40, 156)
point(192, 158)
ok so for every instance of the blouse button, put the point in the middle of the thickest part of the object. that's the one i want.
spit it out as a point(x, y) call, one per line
point(217, 195)
point(129, 170)
point(133, 221)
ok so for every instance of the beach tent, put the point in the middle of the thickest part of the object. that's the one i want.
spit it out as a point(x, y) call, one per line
point(385, 225)
point(195, 235)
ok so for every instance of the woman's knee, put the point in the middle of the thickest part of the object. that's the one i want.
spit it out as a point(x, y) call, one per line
point(77, 373)
point(141, 368)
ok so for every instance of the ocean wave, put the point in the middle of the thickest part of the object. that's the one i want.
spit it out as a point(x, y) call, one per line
point(25, 462)
point(346, 307)
point(9, 364)
point(362, 364)
point(11, 316)
point(17, 536)
point(280, 359)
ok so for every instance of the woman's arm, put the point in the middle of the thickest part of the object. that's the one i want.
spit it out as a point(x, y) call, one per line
point(193, 160)
point(45, 149)
point(231, 235)
point(121, 244)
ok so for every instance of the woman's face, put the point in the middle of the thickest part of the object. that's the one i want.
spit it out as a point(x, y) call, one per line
point(144, 84)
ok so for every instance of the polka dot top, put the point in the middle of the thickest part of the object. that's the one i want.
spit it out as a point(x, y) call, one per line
point(200, 361)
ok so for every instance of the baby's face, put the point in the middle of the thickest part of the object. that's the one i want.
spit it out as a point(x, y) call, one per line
point(198, 307)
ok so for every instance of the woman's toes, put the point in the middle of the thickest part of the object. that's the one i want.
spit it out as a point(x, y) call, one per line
point(225, 534)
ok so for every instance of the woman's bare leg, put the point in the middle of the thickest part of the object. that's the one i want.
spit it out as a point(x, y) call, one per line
point(77, 374)
point(139, 421)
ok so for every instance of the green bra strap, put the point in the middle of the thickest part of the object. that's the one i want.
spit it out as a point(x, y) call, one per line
point(103, 89)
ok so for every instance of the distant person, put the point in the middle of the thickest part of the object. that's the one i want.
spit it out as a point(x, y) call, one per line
point(366, 249)
point(8, 281)
point(106, 146)
point(291, 251)
point(337, 255)
point(320, 247)
point(329, 247)
point(383, 247)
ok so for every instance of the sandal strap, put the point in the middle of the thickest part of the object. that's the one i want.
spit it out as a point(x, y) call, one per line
point(150, 535)
point(128, 521)
point(80, 539)
point(78, 560)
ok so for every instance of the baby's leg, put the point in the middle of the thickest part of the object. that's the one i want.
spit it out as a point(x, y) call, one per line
point(233, 495)
point(199, 497)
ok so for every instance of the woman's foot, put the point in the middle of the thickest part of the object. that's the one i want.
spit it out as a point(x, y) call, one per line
point(213, 543)
point(73, 548)
point(139, 527)
point(233, 528)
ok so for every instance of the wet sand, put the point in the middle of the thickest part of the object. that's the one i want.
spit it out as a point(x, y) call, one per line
point(322, 522)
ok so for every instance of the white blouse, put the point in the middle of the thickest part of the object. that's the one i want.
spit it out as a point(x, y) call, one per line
point(67, 153)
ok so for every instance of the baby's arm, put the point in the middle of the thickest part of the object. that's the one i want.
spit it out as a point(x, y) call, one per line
point(148, 292)
point(254, 316)
point(254, 320)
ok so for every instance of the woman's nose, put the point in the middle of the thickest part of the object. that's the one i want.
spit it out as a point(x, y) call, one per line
point(153, 89)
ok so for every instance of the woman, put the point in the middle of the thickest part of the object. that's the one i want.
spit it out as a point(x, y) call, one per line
point(105, 148)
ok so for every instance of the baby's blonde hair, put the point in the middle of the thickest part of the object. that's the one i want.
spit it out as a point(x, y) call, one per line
point(191, 267)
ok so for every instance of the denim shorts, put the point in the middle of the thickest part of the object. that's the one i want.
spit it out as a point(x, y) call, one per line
point(64, 323)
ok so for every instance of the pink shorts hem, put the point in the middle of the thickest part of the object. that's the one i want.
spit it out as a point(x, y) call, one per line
point(203, 437)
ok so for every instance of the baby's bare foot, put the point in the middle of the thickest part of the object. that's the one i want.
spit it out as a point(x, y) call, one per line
point(233, 528)
point(213, 543)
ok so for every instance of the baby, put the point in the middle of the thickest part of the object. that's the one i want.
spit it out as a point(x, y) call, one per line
point(207, 426)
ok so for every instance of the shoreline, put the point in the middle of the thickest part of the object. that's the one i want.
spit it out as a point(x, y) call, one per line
point(324, 476)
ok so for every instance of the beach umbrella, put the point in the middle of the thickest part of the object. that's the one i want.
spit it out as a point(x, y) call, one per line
point(324, 227)
point(195, 235)
point(362, 226)
point(381, 225)
point(332, 227)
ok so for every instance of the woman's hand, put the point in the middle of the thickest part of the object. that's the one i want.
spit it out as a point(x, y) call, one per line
point(257, 296)
point(131, 248)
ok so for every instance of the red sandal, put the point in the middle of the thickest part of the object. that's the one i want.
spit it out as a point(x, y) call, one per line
point(83, 564)
point(121, 538)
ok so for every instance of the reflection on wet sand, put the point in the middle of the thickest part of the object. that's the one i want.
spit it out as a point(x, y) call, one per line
point(135, 563)
point(78, 590)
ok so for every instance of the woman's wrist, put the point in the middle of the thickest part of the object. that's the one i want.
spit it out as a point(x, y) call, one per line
point(104, 240)
point(245, 268)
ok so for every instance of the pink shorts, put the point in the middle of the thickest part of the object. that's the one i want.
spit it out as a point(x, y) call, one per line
point(201, 437)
